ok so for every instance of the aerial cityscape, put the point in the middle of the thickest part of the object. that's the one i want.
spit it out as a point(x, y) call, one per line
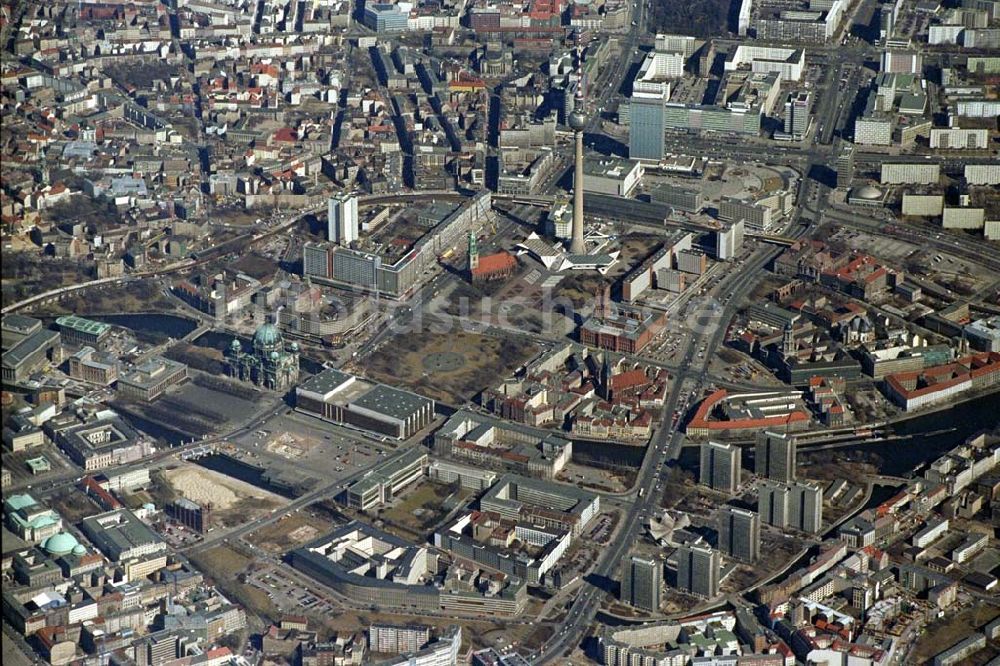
point(500, 332)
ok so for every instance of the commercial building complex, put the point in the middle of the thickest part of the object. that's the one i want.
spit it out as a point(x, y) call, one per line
point(367, 271)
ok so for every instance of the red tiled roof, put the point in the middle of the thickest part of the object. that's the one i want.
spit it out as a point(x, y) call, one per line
point(495, 263)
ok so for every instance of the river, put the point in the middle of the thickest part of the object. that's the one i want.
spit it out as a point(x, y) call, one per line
point(166, 325)
point(893, 458)
point(901, 456)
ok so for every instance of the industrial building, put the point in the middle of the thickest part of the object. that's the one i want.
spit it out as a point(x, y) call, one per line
point(349, 400)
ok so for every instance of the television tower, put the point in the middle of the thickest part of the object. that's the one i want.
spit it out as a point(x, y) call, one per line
point(577, 121)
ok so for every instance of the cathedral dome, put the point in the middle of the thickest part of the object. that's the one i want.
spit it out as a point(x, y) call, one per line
point(267, 335)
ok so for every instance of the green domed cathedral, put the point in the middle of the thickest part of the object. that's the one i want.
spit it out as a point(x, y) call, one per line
point(270, 364)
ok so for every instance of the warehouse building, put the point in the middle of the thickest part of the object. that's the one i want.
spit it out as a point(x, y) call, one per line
point(349, 400)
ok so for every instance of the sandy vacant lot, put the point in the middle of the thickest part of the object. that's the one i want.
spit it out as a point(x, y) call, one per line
point(205, 486)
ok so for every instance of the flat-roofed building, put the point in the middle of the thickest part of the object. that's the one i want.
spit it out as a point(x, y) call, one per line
point(698, 570)
point(473, 478)
point(79, 331)
point(542, 502)
point(94, 367)
point(102, 442)
point(349, 400)
point(151, 378)
point(910, 173)
point(121, 536)
point(386, 480)
point(612, 176)
point(720, 466)
point(27, 347)
point(397, 638)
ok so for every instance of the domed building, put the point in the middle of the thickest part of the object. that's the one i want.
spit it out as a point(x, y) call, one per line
point(62, 543)
point(270, 364)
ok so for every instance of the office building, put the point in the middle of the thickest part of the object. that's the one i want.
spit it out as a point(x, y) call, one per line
point(984, 334)
point(797, 108)
point(729, 240)
point(121, 536)
point(698, 570)
point(689, 201)
point(845, 166)
point(646, 127)
point(385, 17)
point(641, 579)
point(386, 480)
point(720, 466)
point(739, 534)
point(342, 219)
point(774, 456)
